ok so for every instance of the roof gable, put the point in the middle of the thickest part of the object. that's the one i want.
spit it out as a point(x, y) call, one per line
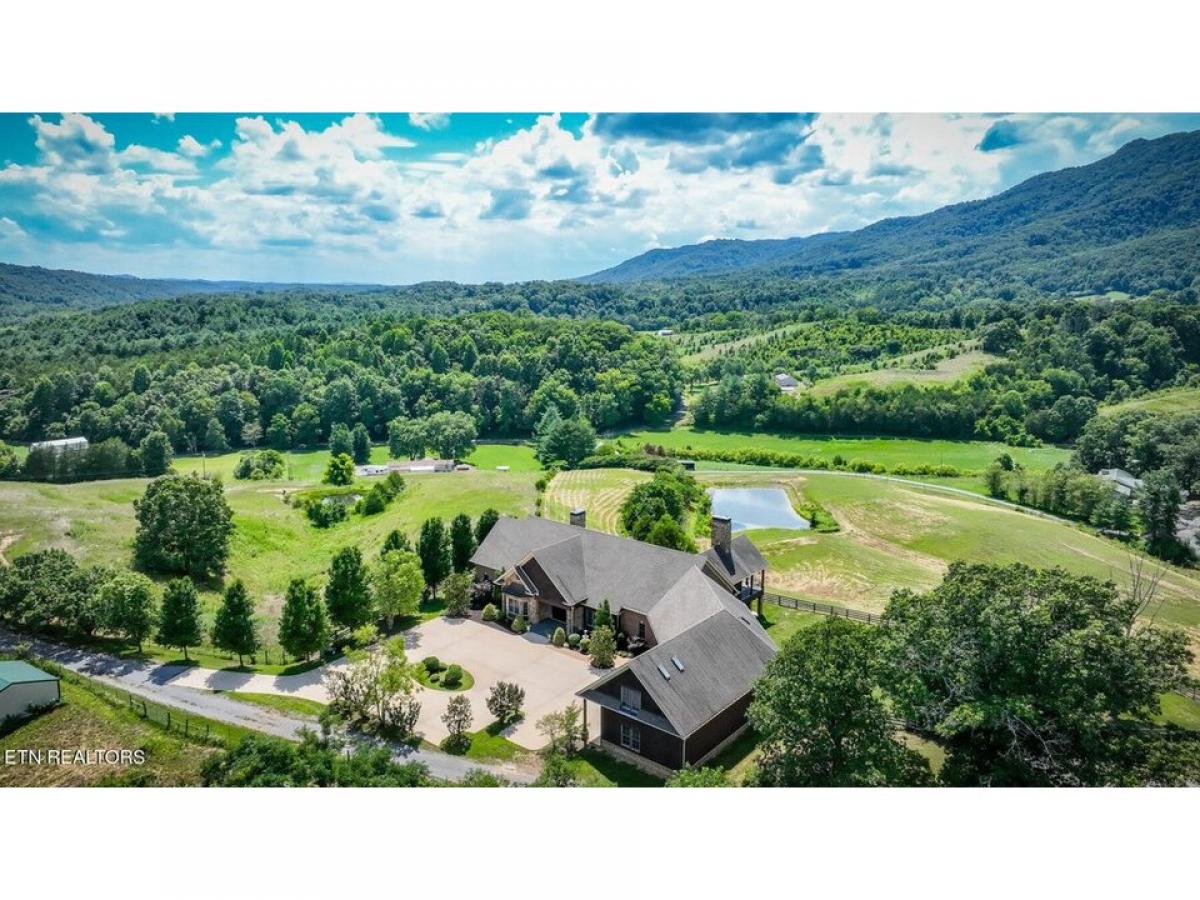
point(722, 656)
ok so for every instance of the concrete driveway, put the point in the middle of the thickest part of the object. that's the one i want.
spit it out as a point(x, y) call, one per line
point(549, 675)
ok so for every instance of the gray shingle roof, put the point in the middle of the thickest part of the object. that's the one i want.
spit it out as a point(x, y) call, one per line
point(511, 540)
point(722, 655)
point(740, 561)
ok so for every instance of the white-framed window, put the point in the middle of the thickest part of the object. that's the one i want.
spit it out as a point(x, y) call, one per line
point(631, 738)
point(631, 697)
point(518, 607)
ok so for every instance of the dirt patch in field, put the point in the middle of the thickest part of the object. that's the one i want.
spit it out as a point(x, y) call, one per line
point(7, 540)
point(875, 542)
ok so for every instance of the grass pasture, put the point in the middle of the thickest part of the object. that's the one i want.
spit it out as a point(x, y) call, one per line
point(86, 720)
point(967, 455)
point(1175, 400)
point(946, 370)
point(273, 542)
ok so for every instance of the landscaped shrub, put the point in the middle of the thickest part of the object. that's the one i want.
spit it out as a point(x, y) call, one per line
point(574, 639)
point(453, 676)
point(559, 637)
point(490, 613)
point(584, 643)
point(432, 664)
point(519, 625)
point(505, 700)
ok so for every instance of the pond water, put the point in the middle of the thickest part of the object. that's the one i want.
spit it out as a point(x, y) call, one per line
point(756, 508)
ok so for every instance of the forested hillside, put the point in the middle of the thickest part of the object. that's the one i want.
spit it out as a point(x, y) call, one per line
point(30, 289)
point(1130, 222)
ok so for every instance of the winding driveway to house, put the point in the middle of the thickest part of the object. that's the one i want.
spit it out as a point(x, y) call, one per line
point(190, 689)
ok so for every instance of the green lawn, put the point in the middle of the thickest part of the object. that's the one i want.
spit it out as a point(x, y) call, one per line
point(434, 682)
point(1179, 710)
point(518, 457)
point(781, 623)
point(967, 455)
point(1174, 400)
point(594, 768)
point(299, 706)
point(490, 744)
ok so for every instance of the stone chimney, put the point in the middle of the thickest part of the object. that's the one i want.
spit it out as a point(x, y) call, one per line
point(722, 532)
point(579, 517)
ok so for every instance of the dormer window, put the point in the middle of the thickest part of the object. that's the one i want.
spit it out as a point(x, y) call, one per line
point(631, 698)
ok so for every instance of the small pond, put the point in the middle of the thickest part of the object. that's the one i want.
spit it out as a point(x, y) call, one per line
point(756, 508)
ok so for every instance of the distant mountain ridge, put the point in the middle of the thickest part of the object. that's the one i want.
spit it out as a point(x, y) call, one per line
point(1142, 199)
point(26, 289)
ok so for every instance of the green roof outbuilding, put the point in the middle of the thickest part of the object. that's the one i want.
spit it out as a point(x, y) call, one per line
point(18, 672)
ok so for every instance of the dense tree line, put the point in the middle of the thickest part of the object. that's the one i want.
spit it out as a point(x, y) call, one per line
point(1059, 364)
point(291, 385)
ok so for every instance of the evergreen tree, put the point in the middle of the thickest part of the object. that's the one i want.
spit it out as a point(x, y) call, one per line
point(233, 628)
point(179, 623)
point(396, 540)
point(603, 647)
point(462, 542)
point(485, 523)
point(303, 624)
point(603, 617)
point(214, 437)
point(434, 550)
point(129, 607)
point(348, 591)
point(155, 452)
point(360, 440)
point(340, 441)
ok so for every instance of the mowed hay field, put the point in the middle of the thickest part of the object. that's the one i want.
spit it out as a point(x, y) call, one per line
point(599, 491)
point(966, 455)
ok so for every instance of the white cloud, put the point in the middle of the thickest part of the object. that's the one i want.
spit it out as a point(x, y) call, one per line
point(192, 148)
point(10, 230)
point(429, 121)
point(546, 200)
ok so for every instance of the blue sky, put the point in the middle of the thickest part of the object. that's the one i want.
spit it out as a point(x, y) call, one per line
point(398, 198)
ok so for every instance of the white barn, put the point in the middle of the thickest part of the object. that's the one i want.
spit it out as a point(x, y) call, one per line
point(24, 687)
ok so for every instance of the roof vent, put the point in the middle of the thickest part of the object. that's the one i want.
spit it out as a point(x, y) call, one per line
point(662, 670)
point(678, 662)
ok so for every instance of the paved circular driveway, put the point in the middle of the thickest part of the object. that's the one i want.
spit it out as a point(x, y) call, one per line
point(549, 675)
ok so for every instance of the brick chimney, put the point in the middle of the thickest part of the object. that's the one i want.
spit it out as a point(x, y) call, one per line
point(579, 517)
point(722, 532)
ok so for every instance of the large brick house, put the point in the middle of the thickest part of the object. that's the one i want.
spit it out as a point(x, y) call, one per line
point(687, 693)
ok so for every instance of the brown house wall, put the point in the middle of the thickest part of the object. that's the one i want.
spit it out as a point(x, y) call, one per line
point(628, 623)
point(662, 748)
point(717, 729)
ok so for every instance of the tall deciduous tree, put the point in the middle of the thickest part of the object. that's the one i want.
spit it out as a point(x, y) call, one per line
point(340, 470)
point(340, 441)
point(1028, 677)
point(348, 591)
point(179, 623)
point(822, 720)
point(233, 629)
point(303, 624)
point(407, 437)
point(184, 525)
point(398, 582)
point(434, 550)
point(451, 434)
point(462, 542)
point(155, 452)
